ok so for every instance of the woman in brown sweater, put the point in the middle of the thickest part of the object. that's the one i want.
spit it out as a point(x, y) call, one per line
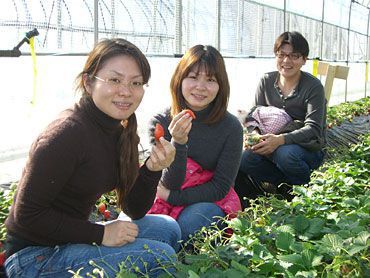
point(88, 151)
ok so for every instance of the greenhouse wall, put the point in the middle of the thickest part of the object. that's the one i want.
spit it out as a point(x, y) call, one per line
point(243, 31)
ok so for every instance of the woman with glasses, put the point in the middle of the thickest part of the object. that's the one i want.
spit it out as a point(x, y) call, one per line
point(289, 157)
point(208, 142)
point(87, 151)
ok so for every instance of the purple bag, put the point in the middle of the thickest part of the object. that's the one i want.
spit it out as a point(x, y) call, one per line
point(268, 119)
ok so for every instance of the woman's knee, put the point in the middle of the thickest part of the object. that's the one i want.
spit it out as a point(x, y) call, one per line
point(205, 210)
point(143, 257)
point(198, 215)
point(159, 258)
point(159, 227)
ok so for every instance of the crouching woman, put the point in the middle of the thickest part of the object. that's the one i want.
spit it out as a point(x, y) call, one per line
point(89, 150)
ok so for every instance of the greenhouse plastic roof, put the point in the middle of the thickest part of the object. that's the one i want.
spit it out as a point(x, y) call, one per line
point(366, 3)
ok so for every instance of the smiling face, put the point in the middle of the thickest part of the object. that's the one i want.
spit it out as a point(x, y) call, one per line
point(288, 67)
point(199, 89)
point(110, 89)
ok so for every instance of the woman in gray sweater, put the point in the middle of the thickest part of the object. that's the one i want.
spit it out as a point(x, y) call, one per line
point(213, 139)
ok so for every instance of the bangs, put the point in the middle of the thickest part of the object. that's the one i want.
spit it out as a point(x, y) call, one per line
point(206, 64)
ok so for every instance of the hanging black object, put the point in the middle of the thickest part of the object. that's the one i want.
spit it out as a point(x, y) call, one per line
point(15, 52)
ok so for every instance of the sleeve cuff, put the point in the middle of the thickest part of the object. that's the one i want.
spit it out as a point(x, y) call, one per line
point(287, 139)
point(148, 174)
point(180, 147)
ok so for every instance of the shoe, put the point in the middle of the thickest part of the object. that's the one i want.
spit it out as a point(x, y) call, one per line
point(268, 187)
point(285, 191)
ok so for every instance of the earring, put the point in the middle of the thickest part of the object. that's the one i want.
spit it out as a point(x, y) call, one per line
point(124, 123)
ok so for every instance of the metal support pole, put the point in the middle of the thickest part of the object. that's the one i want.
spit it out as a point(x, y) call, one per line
point(285, 29)
point(218, 25)
point(59, 24)
point(259, 31)
point(96, 21)
point(239, 24)
point(154, 28)
point(322, 28)
point(113, 18)
point(178, 27)
point(347, 58)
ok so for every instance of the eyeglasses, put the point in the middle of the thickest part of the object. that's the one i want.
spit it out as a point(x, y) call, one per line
point(117, 83)
point(292, 56)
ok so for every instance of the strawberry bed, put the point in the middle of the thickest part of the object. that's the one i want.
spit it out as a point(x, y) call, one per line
point(322, 232)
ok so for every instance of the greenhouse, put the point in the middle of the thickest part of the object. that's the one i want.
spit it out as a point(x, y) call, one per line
point(319, 230)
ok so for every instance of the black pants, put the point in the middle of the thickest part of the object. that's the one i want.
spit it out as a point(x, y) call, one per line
point(248, 188)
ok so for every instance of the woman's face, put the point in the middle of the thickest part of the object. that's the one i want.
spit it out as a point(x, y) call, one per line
point(289, 63)
point(117, 88)
point(199, 89)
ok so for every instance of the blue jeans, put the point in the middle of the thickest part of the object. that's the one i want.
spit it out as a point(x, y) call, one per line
point(155, 246)
point(196, 216)
point(289, 164)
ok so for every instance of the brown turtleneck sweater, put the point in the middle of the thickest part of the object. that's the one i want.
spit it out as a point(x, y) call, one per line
point(70, 165)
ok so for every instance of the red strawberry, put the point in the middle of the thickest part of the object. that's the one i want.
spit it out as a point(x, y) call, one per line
point(2, 258)
point(158, 131)
point(106, 214)
point(191, 113)
point(102, 207)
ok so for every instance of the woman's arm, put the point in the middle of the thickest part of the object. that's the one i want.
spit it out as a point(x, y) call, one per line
point(141, 197)
point(53, 159)
point(174, 175)
point(223, 177)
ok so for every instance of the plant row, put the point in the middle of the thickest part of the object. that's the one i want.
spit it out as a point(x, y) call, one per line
point(336, 115)
point(323, 232)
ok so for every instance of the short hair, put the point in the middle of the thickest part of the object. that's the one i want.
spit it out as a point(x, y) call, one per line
point(210, 59)
point(296, 40)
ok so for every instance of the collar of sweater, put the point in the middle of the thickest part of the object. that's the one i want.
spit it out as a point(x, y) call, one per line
point(202, 115)
point(106, 122)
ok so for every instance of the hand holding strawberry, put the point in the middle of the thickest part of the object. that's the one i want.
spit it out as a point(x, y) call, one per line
point(268, 144)
point(180, 126)
point(161, 155)
point(251, 139)
point(190, 113)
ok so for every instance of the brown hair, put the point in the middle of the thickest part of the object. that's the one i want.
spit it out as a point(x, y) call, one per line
point(296, 40)
point(127, 147)
point(210, 59)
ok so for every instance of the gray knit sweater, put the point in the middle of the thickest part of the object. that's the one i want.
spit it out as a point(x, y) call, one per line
point(216, 147)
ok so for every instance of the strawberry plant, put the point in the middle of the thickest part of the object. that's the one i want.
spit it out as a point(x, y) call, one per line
point(105, 208)
point(102, 207)
point(6, 199)
point(336, 115)
point(322, 232)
